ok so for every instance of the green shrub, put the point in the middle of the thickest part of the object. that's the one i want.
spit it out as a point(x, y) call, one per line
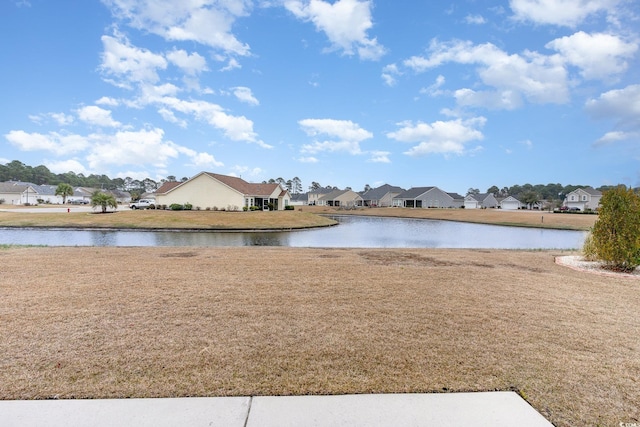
point(616, 234)
point(589, 249)
point(289, 208)
point(187, 206)
point(176, 207)
point(245, 208)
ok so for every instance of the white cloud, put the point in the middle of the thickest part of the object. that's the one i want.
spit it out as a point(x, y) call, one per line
point(170, 117)
point(344, 135)
point(615, 136)
point(60, 118)
point(244, 94)
point(379, 157)
point(599, 56)
point(389, 74)
point(345, 23)
point(440, 137)
point(191, 64)
point(237, 128)
point(208, 22)
point(538, 78)
point(135, 65)
point(621, 104)
point(309, 159)
point(247, 171)
point(231, 65)
point(203, 160)
point(95, 115)
point(623, 107)
point(131, 148)
point(475, 19)
point(567, 13)
point(434, 89)
point(108, 101)
point(64, 166)
point(54, 142)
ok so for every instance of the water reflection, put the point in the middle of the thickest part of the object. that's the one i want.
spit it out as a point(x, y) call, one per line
point(352, 231)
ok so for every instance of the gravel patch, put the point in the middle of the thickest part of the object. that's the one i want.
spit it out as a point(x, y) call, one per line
point(578, 262)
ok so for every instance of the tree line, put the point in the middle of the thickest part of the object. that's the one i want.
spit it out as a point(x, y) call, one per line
point(18, 171)
point(41, 175)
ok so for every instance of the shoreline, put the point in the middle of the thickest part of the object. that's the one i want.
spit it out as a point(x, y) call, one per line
point(305, 217)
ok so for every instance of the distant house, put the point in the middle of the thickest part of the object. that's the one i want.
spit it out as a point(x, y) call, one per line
point(428, 197)
point(18, 193)
point(313, 196)
point(381, 196)
point(583, 198)
point(119, 195)
point(341, 198)
point(480, 201)
point(510, 203)
point(47, 194)
point(300, 199)
point(212, 190)
point(81, 195)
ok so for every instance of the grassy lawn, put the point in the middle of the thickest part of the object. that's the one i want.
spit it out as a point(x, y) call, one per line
point(302, 217)
point(156, 219)
point(152, 322)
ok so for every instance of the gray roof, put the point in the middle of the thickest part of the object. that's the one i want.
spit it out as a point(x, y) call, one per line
point(13, 187)
point(413, 192)
point(333, 195)
point(456, 196)
point(322, 190)
point(300, 197)
point(45, 190)
point(380, 192)
point(592, 191)
point(480, 196)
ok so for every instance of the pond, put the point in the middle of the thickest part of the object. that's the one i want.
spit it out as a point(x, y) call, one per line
point(352, 232)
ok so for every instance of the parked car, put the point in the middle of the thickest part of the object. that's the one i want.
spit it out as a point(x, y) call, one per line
point(143, 204)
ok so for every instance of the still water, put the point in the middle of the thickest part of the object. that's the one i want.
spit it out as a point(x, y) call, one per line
point(352, 232)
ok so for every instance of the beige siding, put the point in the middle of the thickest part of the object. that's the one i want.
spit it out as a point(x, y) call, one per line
point(205, 192)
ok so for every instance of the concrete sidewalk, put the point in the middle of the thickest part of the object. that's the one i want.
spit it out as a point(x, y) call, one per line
point(493, 409)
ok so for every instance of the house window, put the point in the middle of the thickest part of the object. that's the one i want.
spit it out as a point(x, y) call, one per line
point(584, 198)
point(573, 198)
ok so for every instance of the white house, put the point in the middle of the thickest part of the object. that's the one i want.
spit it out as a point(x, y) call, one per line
point(583, 198)
point(479, 201)
point(212, 190)
point(18, 193)
point(510, 203)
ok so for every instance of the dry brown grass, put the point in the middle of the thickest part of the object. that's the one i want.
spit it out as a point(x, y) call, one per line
point(157, 219)
point(151, 322)
point(522, 218)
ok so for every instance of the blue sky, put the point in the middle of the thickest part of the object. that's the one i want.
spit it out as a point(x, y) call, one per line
point(345, 93)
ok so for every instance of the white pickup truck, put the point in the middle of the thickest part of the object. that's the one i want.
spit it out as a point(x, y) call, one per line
point(142, 204)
